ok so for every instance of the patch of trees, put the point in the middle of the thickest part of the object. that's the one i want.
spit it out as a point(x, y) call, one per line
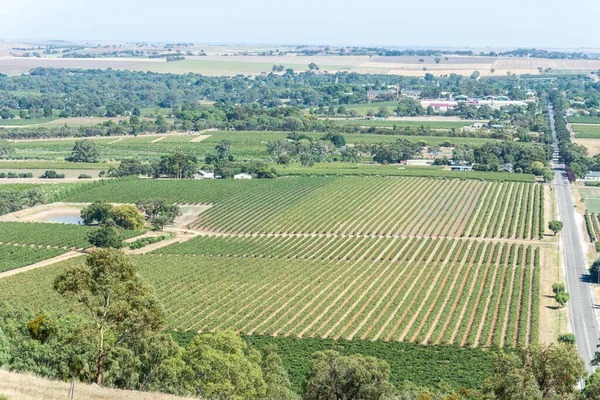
point(394, 152)
point(15, 200)
point(492, 157)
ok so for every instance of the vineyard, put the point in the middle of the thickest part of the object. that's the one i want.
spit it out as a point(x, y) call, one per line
point(181, 191)
point(12, 257)
point(48, 234)
point(383, 206)
point(448, 291)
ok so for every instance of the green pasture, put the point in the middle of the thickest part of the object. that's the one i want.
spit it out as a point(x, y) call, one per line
point(587, 131)
point(591, 198)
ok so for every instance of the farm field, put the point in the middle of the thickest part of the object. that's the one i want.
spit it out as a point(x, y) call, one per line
point(55, 165)
point(493, 293)
point(356, 169)
point(583, 120)
point(132, 190)
point(382, 206)
point(50, 234)
point(591, 198)
point(12, 257)
point(442, 125)
point(587, 131)
point(245, 144)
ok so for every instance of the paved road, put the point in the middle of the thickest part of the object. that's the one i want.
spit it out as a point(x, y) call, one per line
point(581, 303)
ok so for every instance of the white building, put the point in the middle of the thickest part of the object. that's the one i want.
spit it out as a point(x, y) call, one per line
point(242, 176)
point(205, 175)
point(592, 176)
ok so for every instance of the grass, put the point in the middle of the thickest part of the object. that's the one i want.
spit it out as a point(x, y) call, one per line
point(29, 387)
point(33, 121)
point(230, 67)
point(591, 198)
point(579, 119)
point(42, 164)
point(245, 145)
point(356, 169)
point(182, 191)
point(404, 123)
point(587, 131)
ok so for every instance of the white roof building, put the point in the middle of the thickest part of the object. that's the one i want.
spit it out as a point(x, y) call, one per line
point(242, 176)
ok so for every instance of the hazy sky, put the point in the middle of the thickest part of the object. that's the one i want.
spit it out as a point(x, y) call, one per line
point(458, 23)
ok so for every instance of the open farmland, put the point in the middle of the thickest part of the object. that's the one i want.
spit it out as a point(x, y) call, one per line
point(16, 256)
point(382, 206)
point(245, 144)
point(493, 288)
point(587, 131)
point(50, 234)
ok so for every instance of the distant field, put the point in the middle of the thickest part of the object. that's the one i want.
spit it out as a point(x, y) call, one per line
point(587, 131)
point(583, 120)
point(49, 234)
point(18, 121)
point(404, 123)
point(591, 198)
point(180, 191)
point(452, 291)
point(12, 257)
point(245, 144)
point(352, 169)
point(44, 165)
point(381, 206)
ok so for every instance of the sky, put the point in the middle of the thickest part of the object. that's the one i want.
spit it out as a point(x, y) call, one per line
point(434, 23)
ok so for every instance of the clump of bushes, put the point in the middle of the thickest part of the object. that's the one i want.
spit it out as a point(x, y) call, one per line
point(16, 175)
point(143, 242)
point(52, 174)
point(85, 176)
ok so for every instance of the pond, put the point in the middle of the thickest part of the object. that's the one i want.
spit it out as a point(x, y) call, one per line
point(73, 219)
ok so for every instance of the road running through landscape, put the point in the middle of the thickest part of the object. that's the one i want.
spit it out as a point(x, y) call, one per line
point(581, 302)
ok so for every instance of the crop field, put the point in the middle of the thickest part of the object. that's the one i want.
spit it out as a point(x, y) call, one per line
point(450, 291)
point(181, 191)
point(591, 198)
point(592, 224)
point(587, 131)
point(12, 257)
point(55, 165)
point(245, 144)
point(49, 234)
point(382, 206)
point(443, 125)
point(583, 120)
point(356, 169)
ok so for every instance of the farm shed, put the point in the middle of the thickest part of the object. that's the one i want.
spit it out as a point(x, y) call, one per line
point(242, 176)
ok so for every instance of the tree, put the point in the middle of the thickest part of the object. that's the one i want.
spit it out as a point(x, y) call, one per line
point(96, 213)
point(333, 376)
point(159, 212)
point(561, 298)
point(127, 216)
point(555, 226)
point(105, 236)
point(6, 149)
point(555, 369)
point(121, 306)
point(558, 288)
point(595, 270)
point(47, 111)
point(161, 124)
point(337, 139)
point(85, 151)
point(220, 367)
point(313, 67)
point(591, 391)
point(177, 165)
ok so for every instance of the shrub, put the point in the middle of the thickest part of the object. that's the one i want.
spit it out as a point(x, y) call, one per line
point(567, 338)
point(51, 174)
point(85, 176)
